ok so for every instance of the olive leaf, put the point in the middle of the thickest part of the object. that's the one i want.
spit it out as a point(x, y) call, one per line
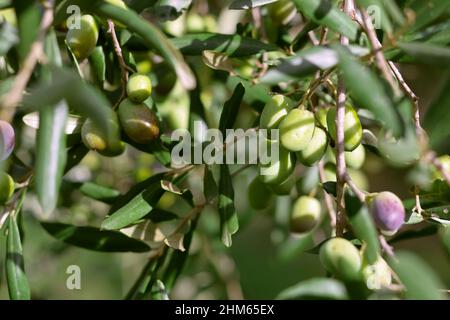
point(8, 37)
point(315, 288)
point(229, 223)
point(248, 4)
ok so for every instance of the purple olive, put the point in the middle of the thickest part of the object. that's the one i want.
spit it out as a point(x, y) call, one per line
point(7, 140)
point(388, 211)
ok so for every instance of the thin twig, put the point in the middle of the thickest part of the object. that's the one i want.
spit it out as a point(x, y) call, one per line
point(341, 170)
point(123, 66)
point(386, 246)
point(377, 47)
point(360, 194)
point(14, 96)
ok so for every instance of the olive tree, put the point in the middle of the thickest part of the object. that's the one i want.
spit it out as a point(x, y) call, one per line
point(94, 95)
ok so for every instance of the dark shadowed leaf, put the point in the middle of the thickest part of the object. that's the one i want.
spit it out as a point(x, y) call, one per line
point(229, 223)
point(412, 234)
point(93, 238)
point(427, 53)
point(231, 108)
point(325, 13)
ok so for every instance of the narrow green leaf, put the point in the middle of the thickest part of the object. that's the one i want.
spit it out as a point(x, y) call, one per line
point(99, 192)
point(229, 223)
point(28, 20)
point(18, 287)
point(428, 11)
point(51, 139)
point(74, 156)
point(330, 187)
point(368, 91)
point(170, 9)
point(93, 238)
point(316, 288)
point(85, 99)
point(159, 291)
point(419, 279)
point(427, 53)
point(231, 108)
point(136, 209)
point(233, 45)
point(305, 63)
point(326, 14)
point(363, 226)
point(248, 4)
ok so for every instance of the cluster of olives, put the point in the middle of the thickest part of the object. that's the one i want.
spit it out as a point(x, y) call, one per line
point(304, 137)
point(135, 116)
point(7, 141)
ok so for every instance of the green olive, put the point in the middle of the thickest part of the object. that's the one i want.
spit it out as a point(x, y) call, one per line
point(359, 178)
point(95, 139)
point(83, 40)
point(277, 170)
point(259, 195)
point(194, 23)
point(139, 88)
point(285, 187)
point(296, 129)
point(139, 121)
point(321, 117)
point(378, 275)
point(6, 187)
point(352, 127)
point(315, 149)
point(305, 214)
point(274, 111)
point(9, 15)
point(340, 257)
point(355, 159)
point(330, 171)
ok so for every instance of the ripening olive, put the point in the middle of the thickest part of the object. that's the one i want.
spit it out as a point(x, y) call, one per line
point(95, 139)
point(139, 121)
point(355, 159)
point(340, 257)
point(378, 275)
point(259, 195)
point(139, 88)
point(194, 23)
point(315, 149)
point(274, 111)
point(7, 140)
point(6, 187)
point(282, 11)
point(387, 211)
point(283, 188)
point(305, 214)
point(277, 170)
point(352, 127)
point(296, 129)
point(83, 40)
